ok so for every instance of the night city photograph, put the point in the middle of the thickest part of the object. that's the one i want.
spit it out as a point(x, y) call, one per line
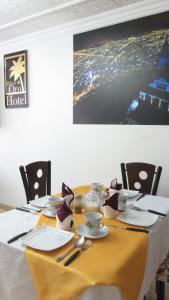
point(121, 73)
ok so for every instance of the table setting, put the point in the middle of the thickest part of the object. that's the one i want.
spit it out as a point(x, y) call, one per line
point(89, 236)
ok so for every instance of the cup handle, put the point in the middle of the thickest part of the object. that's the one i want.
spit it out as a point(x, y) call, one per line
point(47, 205)
point(101, 225)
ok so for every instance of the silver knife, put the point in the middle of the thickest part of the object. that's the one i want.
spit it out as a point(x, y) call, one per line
point(32, 208)
point(27, 233)
point(23, 209)
point(141, 196)
point(150, 211)
point(18, 236)
point(129, 228)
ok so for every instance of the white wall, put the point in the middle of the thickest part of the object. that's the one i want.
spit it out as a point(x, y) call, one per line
point(80, 154)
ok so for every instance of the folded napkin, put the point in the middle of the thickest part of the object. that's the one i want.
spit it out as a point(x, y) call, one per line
point(64, 215)
point(110, 206)
point(115, 185)
point(66, 190)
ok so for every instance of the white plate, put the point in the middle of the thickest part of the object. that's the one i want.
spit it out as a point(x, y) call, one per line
point(138, 218)
point(82, 230)
point(49, 239)
point(48, 213)
point(131, 193)
point(40, 202)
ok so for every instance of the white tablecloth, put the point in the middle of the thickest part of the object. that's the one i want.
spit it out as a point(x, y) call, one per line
point(15, 279)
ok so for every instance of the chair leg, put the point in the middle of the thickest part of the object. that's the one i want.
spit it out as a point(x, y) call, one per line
point(144, 298)
point(160, 290)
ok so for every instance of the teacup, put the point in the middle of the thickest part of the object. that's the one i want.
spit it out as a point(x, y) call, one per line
point(53, 203)
point(97, 187)
point(93, 221)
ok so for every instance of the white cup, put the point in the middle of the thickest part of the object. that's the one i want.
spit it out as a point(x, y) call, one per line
point(93, 221)
point(53, 203)
point(97, 186)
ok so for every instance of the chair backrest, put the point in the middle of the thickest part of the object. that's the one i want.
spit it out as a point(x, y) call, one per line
point(36, 179)
point(140, 176)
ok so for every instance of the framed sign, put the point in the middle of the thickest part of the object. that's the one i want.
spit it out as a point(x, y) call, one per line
point(15, 81)
point(121, 73)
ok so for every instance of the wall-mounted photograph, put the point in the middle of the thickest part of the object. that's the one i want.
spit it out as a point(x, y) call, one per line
point(15, 79)
point(121, 73)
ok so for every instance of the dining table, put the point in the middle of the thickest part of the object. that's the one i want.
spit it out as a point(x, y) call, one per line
point(17, 281)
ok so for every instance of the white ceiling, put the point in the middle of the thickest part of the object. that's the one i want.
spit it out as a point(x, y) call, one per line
point(20, 17)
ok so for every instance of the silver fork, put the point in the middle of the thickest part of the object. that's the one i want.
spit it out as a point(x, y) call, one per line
point(79, 243)
point(33, 232)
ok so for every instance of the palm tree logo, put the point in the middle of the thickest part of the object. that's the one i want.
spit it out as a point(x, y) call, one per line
point(17, 69)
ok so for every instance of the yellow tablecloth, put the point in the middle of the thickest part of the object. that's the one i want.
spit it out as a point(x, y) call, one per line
point(117, 259)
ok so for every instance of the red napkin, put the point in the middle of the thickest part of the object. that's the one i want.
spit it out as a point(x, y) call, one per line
point(66, 190)
point(64, 214)
point(115, 185)
point(110, 206)
point(112, 201)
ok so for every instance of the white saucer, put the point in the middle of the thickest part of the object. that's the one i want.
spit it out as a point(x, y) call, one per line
point(130, 193)
point(82, 230)
point(49, 213)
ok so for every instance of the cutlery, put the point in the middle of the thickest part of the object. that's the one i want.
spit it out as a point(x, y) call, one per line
point(32, 209)
point(23, 209)
point(79, 243)
point(149, 210)
point(25, 233)
point(129, 228)
point(16, 237)
point(84, 247)
point(141, 196)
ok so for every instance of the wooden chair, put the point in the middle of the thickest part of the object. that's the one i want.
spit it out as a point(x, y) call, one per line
point(142, 177)
point(36, 179)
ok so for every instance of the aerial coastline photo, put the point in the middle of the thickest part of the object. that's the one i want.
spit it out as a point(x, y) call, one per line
point(121, 73)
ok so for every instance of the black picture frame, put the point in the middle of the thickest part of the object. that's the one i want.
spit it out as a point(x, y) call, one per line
point(15, 79)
